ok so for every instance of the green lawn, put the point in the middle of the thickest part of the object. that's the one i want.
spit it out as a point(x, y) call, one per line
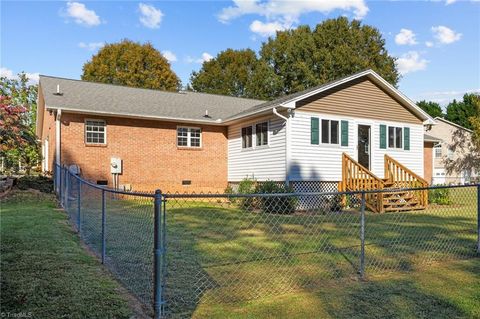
point(227, 262)
point(44, 269)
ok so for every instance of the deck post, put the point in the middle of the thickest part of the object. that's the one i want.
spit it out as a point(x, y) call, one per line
point(362, 237)
point(159, 251)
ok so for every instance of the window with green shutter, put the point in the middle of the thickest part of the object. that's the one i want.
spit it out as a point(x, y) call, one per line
point(383, 136)
point(314, 131)
point(344, 134)
point(406, 138)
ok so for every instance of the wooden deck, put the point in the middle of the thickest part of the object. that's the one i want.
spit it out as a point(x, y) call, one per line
point(356, 177)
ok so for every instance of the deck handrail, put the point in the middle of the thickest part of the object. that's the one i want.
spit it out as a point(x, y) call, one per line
point(356, 177)
point(403, 177)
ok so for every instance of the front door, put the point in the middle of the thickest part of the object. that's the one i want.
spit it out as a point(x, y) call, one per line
point(364, 145)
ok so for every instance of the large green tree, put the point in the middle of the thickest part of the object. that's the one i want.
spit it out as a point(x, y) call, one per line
point(460, 112)
point(298, 59)
point(303, 58)
point(132, 64)
point(432, 108)
point(229, 73)
point(18, 108)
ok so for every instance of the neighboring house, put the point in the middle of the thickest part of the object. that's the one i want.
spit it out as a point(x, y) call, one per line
point(445, 131)
point(189, 141)
point(429, 143)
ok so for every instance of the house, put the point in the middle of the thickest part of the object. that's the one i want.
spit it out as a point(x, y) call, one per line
point(429, 143)
point(188, 141)
point(446, 133)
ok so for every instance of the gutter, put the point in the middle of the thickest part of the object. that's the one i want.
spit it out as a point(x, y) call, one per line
point(288, 157)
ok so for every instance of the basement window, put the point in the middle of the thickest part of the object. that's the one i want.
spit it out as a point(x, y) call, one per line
point(95, 132)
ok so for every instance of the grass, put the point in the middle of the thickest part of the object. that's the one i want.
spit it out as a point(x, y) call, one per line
point(227, 262)
point(222, 259)
point(45, 272)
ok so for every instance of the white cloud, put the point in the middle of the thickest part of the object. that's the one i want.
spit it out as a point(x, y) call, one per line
point(450, 2)
point(289, 11)
point(445, 97)
point(411, 62)
point(91, 46)
point(150, 16)
point(429, 44)
point(33, 77)
point(169, 55)
point(81, 15)
point(445, 35)
point(405, 37)
point(204, 58)
point(268, 28)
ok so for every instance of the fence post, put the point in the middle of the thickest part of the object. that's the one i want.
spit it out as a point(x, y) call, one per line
point(362, 237)
point(67, 179)
point(104, 222)
point(79, 204)
point(60, 190)
point(158, 262)
point(478, 218)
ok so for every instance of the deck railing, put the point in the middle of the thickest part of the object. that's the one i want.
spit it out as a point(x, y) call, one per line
point(402, 177)
point(356, 177)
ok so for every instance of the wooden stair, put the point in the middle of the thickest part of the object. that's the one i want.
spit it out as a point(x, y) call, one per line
point(395, 196)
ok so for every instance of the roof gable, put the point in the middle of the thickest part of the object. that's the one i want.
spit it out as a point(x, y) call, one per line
point(452, 124)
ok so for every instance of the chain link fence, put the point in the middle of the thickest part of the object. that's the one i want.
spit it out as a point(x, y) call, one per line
point(177, 251)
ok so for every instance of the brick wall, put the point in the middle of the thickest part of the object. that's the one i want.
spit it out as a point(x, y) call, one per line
point(427, 161)
point(48, 133)
point(151, 158)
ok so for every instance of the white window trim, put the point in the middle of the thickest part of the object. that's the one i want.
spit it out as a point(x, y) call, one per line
point(339, 137)
point(85, 131)
point(254, 136)
point(189, 140)
point(395, 137)
point(435, 148)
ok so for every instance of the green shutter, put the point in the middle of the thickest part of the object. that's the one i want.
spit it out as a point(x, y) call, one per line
point(314, 131)
point(383, 136)
point(344, 133)
point(406, 138)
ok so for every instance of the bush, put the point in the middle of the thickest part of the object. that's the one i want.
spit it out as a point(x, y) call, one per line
point(276, 205)
point(41, 183)
point(247, 186)
point(439, 196)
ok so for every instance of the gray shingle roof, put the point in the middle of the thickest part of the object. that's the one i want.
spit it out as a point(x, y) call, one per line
point(83, 96)
point(429, 138)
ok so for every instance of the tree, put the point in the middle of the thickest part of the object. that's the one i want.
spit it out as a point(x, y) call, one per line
point(302, 58)
point(432, 108)
point(132, 64)
point(228, 73)
point(17, 121)
point(460, 112)
point(298, 59)
point(466, 145)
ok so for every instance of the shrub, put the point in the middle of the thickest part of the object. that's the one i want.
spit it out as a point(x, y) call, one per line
point(41, 183)
point(247, 186)
point(276, 205)
point(439, 196)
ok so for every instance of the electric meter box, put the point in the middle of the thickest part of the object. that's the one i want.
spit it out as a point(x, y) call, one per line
point(115, 165)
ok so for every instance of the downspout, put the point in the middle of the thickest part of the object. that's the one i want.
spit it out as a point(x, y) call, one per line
point(287, 145)
point(58, 124)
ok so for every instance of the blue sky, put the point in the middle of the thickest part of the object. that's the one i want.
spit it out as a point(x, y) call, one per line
point(437, 42)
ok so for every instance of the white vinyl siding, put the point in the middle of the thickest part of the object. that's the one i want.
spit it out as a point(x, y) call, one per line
point(264, 162)
point(324, 161)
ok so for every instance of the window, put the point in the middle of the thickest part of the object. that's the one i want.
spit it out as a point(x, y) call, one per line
point(189, 137)
point(330, 132)
point(395, 137)
point(450, 153)
point(261, 130)
point(95, 132)
point(438, 151)
point(247, 137)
